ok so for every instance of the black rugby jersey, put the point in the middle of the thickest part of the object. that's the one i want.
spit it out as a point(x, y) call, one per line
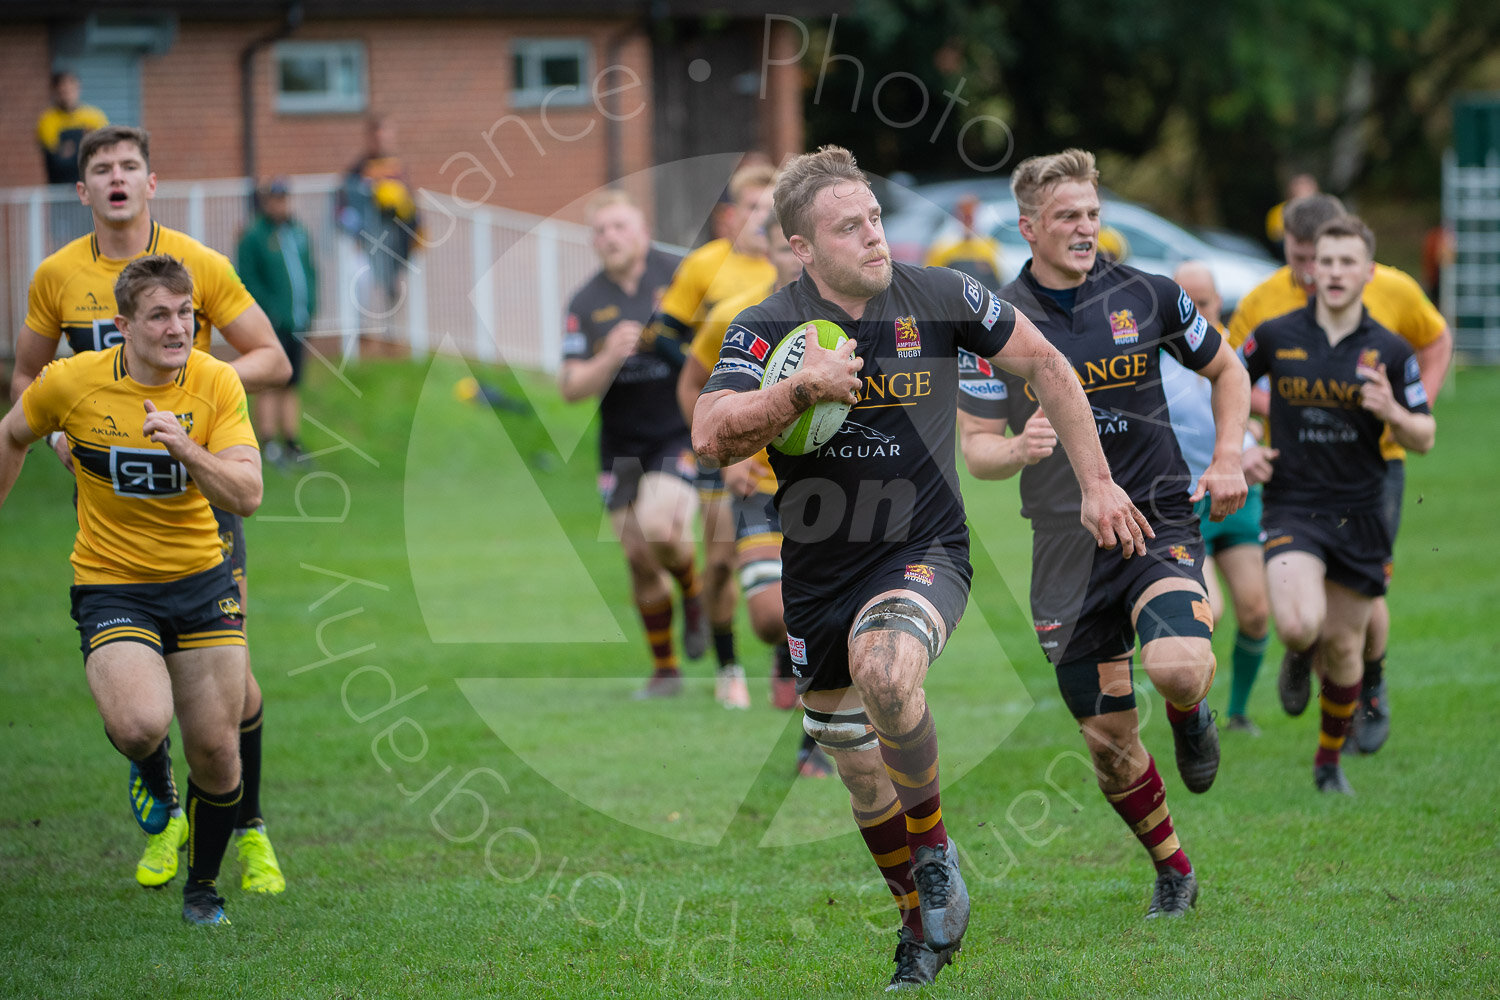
point(1121, 320)
point(1329, 443)
point(887, 479)
point(639, 411)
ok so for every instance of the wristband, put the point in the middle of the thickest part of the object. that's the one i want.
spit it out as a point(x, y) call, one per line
point(53, 438)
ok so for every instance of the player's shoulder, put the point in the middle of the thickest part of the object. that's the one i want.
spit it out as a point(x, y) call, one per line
point(661, 263)
point(67, 259)
point(709, 255)
point(204, 371)
point(83, 371)
point(1396, 282)
point(194, 254)
point(782, 307)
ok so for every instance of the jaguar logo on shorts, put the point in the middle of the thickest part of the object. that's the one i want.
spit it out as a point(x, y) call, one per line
point(229, 607)
point(908, 340)
point(798, 648)
point(918, 573)
point(1122, 327)
point(1181, 554)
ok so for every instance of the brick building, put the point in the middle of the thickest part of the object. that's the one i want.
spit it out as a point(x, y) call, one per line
point(528, 104)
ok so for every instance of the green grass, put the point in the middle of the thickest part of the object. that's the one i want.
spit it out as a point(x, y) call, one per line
point(467, 803)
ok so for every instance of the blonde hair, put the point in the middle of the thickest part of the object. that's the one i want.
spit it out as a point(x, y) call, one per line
point(1035, 174)
point(604, 199)
point(803, 177)
point(755, 177)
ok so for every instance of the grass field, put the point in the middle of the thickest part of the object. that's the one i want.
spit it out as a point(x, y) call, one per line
point(467, 802)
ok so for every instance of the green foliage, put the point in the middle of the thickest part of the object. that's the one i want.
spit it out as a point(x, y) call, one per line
point(581, 881)
point(1354, 93)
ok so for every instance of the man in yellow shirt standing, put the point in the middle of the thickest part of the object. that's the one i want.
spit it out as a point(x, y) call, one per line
point(58, 132)
point(1396, 301)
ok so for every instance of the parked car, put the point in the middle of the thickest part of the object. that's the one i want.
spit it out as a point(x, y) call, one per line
point(1154, 244)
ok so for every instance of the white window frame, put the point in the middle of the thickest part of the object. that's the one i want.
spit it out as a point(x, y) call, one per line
point(532, 92)
point(331, 52)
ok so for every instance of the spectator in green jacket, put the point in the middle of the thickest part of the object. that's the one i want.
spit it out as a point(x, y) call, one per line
point(276, 263)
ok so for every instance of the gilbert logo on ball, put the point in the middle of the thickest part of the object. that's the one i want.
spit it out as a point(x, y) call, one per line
point(822, 421)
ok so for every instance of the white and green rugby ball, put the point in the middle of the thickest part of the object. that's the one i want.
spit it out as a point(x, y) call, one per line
point(820, 422)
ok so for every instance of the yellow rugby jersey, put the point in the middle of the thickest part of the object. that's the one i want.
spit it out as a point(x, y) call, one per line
point(710, 337)
point(141, 519)
point(708, 276)
point(1392, 298)
point(73, 291)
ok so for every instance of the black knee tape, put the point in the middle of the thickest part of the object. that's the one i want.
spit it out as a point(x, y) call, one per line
point(1081, 683)
point(903, 615)
point(1175, 614)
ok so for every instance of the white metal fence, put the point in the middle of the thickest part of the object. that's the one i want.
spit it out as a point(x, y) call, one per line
point(1471, 286)
point(490, 282)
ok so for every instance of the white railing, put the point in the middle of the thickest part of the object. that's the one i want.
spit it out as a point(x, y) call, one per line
point(1471, 285)
point(489, 282)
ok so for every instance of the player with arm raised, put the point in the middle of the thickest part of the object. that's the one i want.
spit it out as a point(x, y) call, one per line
point(875, 544)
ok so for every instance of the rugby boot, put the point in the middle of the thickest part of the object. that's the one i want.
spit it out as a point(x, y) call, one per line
point(1197, 741)
point(158, 864)
point(916, 963)
point(941, 894)
point(1294, 683)
point(1372, 719)
point(1174, 895)
point(1330, 778)
point(202, 906)
point(260, 871)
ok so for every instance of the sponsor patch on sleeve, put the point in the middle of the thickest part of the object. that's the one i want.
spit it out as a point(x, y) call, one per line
point(1196, 333)
point(992, 315)
point(1184, 306)
point(574, 344)
point(989, 389)
point(1416, 394)
point(739, 366)
point(1413, 370)
point(747, 341)
point(973, 294)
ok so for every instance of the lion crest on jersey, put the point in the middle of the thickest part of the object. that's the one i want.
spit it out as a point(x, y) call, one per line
point(908, 340)
point(1122, 327)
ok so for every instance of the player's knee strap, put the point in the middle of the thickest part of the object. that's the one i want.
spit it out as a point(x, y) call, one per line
point(848, 730)
point(904, 615)
point(1083, 684)
point(759, 574)
point(1175, 614)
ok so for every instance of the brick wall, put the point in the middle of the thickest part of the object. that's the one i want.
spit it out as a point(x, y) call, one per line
point(24, 81)
point(445, 84)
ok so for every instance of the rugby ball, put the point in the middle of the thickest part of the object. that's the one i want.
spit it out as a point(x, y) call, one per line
point(822, 421)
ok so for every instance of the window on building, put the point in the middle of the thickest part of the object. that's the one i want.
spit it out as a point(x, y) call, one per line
point(320, 76)
point(552, 69)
